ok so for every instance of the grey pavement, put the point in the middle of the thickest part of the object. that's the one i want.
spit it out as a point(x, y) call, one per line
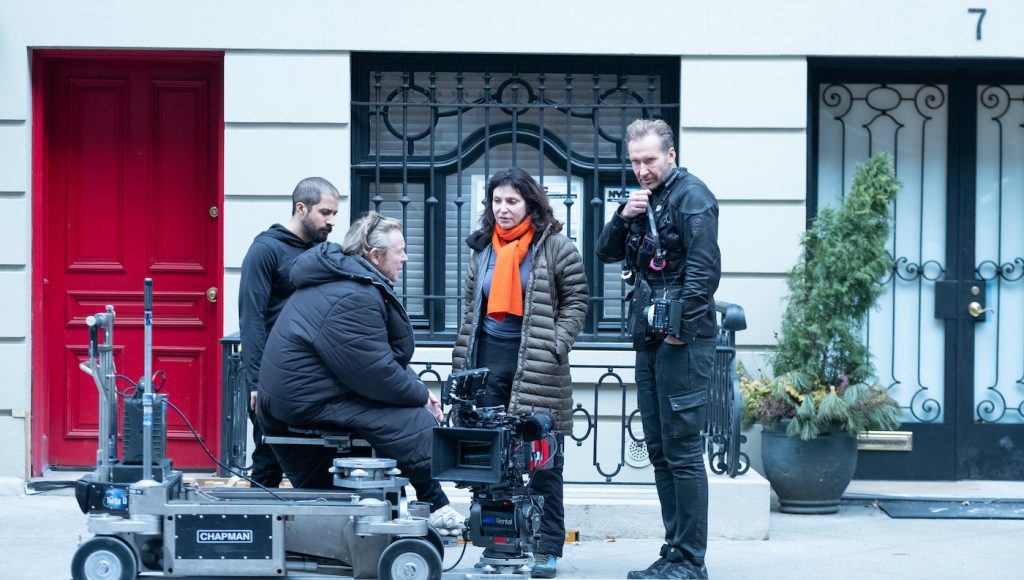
point(39, 534)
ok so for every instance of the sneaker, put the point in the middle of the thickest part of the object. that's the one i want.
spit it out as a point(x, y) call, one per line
point(447, 521)
point(544, 566)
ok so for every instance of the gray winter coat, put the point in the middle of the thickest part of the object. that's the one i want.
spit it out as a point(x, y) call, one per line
point(554, 308)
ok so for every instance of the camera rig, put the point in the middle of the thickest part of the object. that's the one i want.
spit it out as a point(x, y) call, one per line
point(664, 316)
point(494, 454)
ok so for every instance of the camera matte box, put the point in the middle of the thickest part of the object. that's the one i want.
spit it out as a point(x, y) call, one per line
point(466, 455)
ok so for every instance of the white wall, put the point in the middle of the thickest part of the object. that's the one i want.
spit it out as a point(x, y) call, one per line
point(743, 128)
point(752, 153)
point(286, 117)
point(15, 244)
point(686, 27)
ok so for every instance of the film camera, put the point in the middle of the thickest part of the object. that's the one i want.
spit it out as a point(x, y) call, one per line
point(494, 454)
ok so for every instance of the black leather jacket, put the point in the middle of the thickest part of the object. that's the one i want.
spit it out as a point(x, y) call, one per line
point(687, 216)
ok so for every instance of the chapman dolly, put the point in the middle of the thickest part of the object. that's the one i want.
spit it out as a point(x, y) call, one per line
point(146, 519)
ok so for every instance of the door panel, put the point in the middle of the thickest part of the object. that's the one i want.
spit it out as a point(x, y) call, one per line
point(999, 243)
point(131, 169)
point(181, 147)
point(94, 160)
point(909, 121)
point(992, 416)
point(957, 140)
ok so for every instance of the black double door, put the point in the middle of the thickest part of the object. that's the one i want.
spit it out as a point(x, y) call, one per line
point(948, 335)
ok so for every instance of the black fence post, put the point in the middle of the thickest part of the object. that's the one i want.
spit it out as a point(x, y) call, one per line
point(234, 407)
point(725, 404)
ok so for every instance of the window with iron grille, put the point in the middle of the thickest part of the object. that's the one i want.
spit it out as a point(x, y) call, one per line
point(429, 130)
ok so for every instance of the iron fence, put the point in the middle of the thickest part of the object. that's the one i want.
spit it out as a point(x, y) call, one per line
point(722, 431)
point(234, 425)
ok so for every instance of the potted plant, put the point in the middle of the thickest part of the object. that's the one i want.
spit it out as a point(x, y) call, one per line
point(824, 392)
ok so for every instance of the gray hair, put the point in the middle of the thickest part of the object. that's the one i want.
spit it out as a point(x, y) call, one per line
point(309, 191)
point(643, 127)
point(369, 232)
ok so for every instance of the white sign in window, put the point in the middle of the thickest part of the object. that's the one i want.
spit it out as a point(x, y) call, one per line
point(613, 197)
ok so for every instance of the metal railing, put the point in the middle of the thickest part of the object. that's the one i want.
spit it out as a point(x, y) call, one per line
point(722, 431)
point(725, 404)
point(234, 422)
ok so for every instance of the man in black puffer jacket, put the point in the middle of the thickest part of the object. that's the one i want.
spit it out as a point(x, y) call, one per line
point(338, 357)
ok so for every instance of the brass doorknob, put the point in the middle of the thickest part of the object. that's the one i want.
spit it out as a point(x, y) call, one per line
point(211, 294)
point(976, 310)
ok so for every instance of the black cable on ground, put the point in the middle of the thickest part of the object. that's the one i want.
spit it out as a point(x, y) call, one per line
point(465, 542)
point(45, 485)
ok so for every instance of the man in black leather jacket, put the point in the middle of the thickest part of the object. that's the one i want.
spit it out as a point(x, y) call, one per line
point(675, 270)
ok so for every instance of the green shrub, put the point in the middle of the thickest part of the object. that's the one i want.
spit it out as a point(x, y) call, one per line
point(824, 377)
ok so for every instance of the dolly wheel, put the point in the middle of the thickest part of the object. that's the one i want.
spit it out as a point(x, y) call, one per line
point(434, 537)
point(104, 558)
point(409, 559)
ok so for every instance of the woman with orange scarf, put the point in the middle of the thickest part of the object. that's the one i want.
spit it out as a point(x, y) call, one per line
point(526, 300)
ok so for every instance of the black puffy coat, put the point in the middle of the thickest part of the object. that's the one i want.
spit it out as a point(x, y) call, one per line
point(342, 344)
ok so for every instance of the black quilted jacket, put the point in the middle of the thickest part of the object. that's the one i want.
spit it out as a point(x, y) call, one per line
point(554, 308)
point(343, 335)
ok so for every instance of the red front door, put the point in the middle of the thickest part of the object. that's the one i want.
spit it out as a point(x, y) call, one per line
point(128, 186)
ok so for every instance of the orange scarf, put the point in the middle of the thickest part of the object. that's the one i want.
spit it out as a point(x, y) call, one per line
point(506, 286)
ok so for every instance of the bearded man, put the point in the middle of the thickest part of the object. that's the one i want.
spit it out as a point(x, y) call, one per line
point(265, 288)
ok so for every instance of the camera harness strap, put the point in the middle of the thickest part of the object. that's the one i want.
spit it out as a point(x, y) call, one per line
point(658, 262)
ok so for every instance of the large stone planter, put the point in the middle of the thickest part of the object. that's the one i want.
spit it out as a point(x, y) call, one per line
point(808, 476)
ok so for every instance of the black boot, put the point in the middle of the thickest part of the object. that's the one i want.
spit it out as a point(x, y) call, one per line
point(654, 570)
point(671, 565)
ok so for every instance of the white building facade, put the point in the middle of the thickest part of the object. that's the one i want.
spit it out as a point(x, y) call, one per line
point(157, 140)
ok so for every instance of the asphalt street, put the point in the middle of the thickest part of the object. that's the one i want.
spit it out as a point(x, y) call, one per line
point(39, 534)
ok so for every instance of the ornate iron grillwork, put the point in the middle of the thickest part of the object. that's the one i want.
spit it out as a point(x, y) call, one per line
point(426, 138)
point(855, 122)
point(722, 430)
point(722, 435)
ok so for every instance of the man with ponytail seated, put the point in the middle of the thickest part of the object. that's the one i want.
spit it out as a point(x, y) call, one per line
point(338, 357)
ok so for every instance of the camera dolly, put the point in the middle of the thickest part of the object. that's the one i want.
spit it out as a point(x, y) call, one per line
point(146, 519)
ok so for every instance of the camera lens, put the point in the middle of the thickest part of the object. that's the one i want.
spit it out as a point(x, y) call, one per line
point(536, 426)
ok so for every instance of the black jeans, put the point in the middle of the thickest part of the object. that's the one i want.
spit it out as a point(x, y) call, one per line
point(501, 356)
point(266, 471)
point(672, 386)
